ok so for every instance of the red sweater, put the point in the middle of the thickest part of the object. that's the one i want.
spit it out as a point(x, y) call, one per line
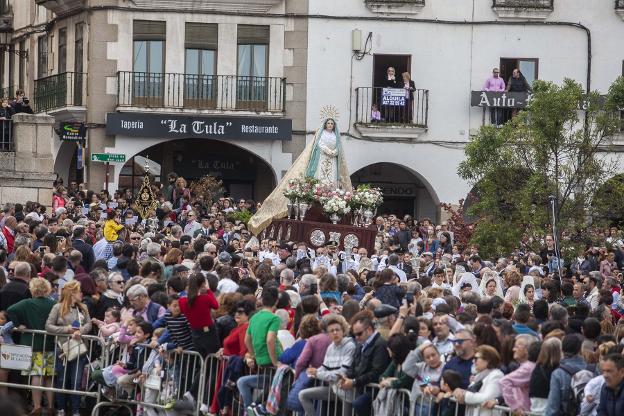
point(199, 315)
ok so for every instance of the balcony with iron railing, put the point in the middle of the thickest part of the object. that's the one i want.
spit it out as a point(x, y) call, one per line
point(381, 115)
point(210, 93)
point(61, 92)
point(523, 9)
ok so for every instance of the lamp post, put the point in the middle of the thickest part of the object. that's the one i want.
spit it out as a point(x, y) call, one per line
point(6, 45)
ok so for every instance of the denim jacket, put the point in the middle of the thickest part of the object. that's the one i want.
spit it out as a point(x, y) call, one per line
point(560, 385)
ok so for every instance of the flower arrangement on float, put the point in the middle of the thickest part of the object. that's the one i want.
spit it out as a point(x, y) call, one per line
point(304, 191)
point(365, 201)
point(336, 204)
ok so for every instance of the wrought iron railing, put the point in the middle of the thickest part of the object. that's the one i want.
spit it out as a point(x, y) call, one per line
point(67, 89)
point(373, 108)
point(204, 92)
point(524, 4)
point(7, 144)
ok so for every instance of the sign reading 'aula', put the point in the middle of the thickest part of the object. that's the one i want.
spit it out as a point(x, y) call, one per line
point(206, 127)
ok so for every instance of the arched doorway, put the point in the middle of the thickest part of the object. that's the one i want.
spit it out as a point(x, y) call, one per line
point(66, 162)
point(244, 175)
point(404, 192)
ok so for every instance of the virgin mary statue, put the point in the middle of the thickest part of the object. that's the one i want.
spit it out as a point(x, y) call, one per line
point(322, 159)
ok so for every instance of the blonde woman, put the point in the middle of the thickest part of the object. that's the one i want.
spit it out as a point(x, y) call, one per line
point(32, 314)
point(69, 319)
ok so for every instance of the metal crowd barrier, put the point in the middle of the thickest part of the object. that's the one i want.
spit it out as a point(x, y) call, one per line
point(261, 392)
point(171, 375)
point(426, 405)
point(42, 363)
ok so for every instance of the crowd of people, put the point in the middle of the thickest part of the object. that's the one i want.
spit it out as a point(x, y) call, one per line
point(420, 313)
point(8, 108)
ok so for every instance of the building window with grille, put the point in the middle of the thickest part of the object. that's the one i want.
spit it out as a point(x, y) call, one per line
point(148, 62)
point(253, 64)
point(200, 56)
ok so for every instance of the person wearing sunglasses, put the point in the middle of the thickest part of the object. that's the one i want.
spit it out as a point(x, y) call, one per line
point(465, 348)
point(486, 383)
point(112, 297)
point(369, 362)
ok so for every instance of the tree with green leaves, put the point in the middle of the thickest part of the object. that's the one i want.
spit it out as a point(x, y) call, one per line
point(556, 147)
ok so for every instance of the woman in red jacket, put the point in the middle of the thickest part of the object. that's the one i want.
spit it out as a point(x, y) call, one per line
point(197, 308)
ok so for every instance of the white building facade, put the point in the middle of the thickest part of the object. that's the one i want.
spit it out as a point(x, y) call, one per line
point(127, 69)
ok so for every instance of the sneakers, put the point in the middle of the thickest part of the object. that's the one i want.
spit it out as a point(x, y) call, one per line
point(60, 413)
point(256, 410)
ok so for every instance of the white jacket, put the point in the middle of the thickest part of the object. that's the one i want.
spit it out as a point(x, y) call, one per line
point(489, 390)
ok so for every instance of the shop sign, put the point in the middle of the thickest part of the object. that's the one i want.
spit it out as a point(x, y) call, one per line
point(72, 131)
point(503, 99)
point(398, 189)
point(393, 96)
point(203, 127)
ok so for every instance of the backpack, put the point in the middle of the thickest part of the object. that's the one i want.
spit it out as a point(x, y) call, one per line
point(576, 390)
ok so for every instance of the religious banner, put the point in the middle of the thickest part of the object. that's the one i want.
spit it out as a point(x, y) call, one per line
point(146, 199)
point(393, 96)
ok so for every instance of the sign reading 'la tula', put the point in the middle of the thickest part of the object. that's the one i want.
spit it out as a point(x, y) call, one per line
point(189, 126)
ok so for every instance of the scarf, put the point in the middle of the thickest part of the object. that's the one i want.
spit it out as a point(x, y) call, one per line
point(477, 382)
point(114, 295)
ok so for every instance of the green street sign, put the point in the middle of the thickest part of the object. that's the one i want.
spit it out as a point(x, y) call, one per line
point(108, 157)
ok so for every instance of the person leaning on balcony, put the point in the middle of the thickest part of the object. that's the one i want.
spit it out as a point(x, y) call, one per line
point(517, 83)
point(389, 112)
point(495, 83)
point(21, 104)
point(409, 87)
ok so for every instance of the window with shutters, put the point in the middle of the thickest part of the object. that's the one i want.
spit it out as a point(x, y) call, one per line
point(148, 62)
point(253, 62)
point(62, 50)
point(200, 85)
point(79, 63)
point(22, 66)
point(42, 57)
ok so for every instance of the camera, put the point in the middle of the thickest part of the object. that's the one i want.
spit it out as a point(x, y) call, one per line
point(26, 100)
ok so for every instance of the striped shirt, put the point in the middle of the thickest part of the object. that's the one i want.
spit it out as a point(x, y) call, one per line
point(179, 330)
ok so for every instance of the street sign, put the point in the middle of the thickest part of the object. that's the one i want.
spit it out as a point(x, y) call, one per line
point(108, 157)
point(72, 131)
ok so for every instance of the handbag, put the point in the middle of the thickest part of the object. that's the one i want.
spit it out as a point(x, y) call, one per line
point(153, 381)
point(72, 349)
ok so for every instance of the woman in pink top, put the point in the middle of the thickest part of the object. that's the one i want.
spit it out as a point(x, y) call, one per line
point(313, 353)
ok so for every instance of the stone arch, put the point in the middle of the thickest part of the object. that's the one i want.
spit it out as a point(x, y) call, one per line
point(403, 188)
point(164, 151)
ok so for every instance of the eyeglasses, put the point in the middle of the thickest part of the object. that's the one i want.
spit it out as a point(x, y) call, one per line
point(459, 341)
point(135, 238)
point(119, 282)
point(358, 334)
point(212, 252)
